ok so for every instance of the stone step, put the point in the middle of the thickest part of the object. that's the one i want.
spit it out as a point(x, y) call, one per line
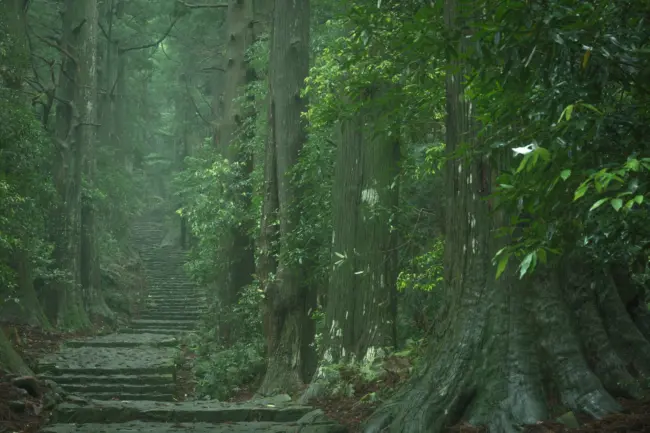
point(104, 361)
point(118, 389)
point(176, 295)
point(176, 305)
point(158, 293)
point(197, 427)
point(164, 324)
point(165, 288)
point(125, 340)
point(195, 311)
point(136, 380)
point(121, 396)
point(155, 331)
point(95, 411)
point(179, 299)
point(166, 315)
point(185, 307)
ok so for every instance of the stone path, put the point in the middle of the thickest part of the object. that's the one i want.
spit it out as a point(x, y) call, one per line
point(126, 382)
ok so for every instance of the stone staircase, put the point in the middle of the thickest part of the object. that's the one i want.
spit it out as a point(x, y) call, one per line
point(126, 381)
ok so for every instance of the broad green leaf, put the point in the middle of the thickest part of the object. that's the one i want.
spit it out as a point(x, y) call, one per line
point(592, 108)
point(569, 111)
point(598, 204)
point(638, 199)
point(525, 264)
point(503, 262)
point(565, 174)
point(632, 164)
point(582, 189)
point(544, 154)
point(585, 58)
point(617, 204)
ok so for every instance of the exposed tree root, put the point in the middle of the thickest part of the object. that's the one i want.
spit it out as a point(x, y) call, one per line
point(518, 347)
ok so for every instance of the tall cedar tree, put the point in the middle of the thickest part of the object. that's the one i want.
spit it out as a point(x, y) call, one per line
point(286, 317)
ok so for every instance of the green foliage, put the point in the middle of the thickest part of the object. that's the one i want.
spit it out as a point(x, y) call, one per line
point(419, 284)
point(26, 191)
point(204, 187)
point(568, 97)
point(221, 369)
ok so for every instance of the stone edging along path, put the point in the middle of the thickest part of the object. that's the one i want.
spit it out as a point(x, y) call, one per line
point(126, 382)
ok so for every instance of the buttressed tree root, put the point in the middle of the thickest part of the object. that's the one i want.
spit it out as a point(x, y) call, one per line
point(510, 347)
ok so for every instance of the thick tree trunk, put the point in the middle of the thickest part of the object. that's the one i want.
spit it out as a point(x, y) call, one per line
point(363, 272)
point(76, 123)
point(365, 199)
point(287, 297)
point(27, 308)
point(87, 103)
point(506, 347)
point(236, 248)
point(9, 359)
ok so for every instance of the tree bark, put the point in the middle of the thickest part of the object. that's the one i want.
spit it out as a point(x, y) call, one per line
point(74, 128)
point(9, 359)
point(506, 348)
point(236, 246)
point(286, 296)
point(86, 88)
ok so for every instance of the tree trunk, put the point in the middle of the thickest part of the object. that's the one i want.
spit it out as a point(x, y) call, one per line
point(68, 307)
point(286, 297)
point(27, 308)
point(365, 199)
point(364, 254)
point(236, 246)
point(9, 359)
point(87, 104)
point(506, 348)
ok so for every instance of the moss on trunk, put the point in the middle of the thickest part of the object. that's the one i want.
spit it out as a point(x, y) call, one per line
point(287, 296)
point(9, 359)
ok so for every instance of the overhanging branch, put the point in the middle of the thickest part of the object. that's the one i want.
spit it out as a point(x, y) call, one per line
point(202, 5)
point(153, 44)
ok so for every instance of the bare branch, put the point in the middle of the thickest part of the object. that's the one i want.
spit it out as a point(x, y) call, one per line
point(153, 44)
point(101, 27)
point(196, 107)
point(57, 46)
point(202, 6)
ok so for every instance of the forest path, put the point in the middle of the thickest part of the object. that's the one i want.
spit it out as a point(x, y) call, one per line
point(126, 381)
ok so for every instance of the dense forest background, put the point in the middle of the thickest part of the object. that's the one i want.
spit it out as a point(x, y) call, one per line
point(454, 191)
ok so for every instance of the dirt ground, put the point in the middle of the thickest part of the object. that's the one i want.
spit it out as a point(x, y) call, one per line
point(23, 405)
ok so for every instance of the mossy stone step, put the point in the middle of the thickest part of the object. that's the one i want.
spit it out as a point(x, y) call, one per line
point(126, 340)
point(179, 299)
point(186, 308)
point(154, 331)
point(153, 427)
point(118, 389)
point(176, 303)
point(164, 324)
point(122, 396)
point(103, 361)
point(135, 380)
point(162, 315)
point(112, 411)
